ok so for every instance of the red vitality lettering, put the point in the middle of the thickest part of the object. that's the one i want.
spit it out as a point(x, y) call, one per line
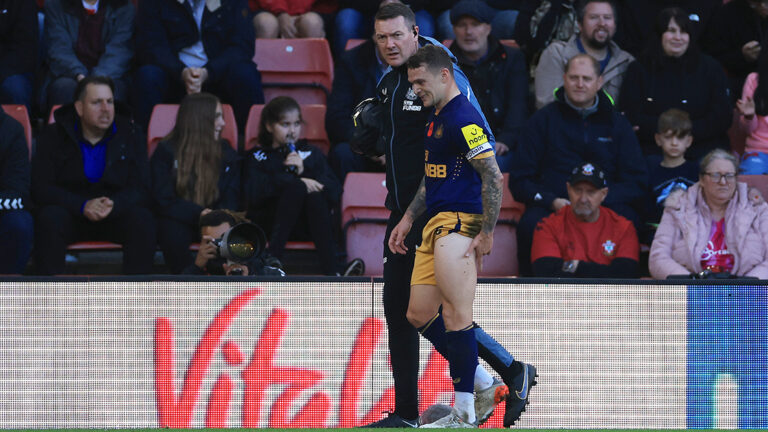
point(177, 410)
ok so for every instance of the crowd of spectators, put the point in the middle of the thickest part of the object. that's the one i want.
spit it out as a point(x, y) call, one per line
point(601, 111)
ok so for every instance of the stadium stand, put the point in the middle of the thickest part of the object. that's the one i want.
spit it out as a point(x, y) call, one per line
point(299, 68)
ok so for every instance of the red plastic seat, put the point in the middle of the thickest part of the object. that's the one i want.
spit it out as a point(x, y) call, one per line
point(51, 118)
point(351, 43)
point(164, 118)
point(502, 261)
point(93, 246)
point(300, 68)
point(759, 182)
point(364, 219)
point(313, 129)
point(20, 114)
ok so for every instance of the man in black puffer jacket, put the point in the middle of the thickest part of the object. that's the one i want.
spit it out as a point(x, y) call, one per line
point(90, 182)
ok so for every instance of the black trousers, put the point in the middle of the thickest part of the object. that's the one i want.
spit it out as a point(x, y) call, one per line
point(57, 228)
point(403, 337)
point(294, 203)
point(175, 237)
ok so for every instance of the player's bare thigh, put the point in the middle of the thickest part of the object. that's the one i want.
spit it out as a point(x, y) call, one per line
point(423, 304)
point(456, 278)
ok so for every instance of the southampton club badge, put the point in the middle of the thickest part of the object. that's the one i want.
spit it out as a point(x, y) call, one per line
point(609, 248)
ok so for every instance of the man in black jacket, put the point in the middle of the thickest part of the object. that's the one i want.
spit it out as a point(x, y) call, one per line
point(90, 175)
point(15, 221)
point(581, 125)
point(498, 74)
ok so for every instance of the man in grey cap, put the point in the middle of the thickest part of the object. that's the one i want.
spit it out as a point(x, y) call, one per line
point(497, 73)
point(585, 239)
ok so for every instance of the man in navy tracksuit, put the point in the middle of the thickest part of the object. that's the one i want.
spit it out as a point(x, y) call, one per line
point(396, 36)
point(580, 126)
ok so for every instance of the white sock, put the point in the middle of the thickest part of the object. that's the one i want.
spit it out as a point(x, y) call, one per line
point(465, 405)
point(483, 379)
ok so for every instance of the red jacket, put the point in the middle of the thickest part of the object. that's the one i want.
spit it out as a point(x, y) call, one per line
point(293, 7)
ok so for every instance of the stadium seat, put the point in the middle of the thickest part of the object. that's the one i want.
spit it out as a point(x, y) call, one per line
point(364, 219)
point(736, 134)
point(759, 182)
point(502, 261)
point(164, 117)
point(313, 129)
point(299, 68)
point(351, 43)
point(20, 114)
point(51, 118)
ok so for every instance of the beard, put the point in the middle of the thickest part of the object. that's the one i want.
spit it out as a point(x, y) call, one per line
point(596, 44)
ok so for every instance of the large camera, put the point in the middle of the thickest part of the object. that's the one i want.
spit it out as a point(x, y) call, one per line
point(241, 243)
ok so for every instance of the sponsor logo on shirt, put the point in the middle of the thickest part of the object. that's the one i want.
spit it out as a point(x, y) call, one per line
point(474, 135)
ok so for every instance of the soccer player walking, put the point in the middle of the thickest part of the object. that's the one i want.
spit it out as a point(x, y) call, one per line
point(461, 194)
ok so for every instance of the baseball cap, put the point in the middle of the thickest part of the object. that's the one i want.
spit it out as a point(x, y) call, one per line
point(477, 9)
point(588, 172)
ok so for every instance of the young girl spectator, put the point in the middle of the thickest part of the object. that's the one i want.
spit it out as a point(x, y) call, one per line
point(289, 184)
point(291, 19)
point(193, 172)
point(753, 107)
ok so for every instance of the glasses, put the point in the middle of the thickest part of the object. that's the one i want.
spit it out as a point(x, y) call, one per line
point(716, 176)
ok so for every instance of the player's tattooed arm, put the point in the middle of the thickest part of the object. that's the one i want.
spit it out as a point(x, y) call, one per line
point(419, 203)
point(492, 190)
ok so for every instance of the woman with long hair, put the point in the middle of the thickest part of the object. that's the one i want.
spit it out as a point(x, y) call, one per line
point(673, 73)
point(289, 185)
point(193, 172)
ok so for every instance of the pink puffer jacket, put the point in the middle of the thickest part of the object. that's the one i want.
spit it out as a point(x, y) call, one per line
point(685, 228)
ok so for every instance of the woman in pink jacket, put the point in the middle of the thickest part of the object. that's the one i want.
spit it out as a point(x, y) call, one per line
point(717, 225)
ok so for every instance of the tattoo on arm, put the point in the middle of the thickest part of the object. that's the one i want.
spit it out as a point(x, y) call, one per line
point(419, 203)
point(491, 193)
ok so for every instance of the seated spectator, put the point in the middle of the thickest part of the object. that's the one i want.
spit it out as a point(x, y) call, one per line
point(291, 19)
point(355, 19)
point(16, 227)
point(503, 19)
point(18, 52)
point(289, 184)
point(638, 17)
point(193, 172)
point(581, 125)
point(90, 181)
point(87, 37)
point(597, 25)
point(674, 74)
point(213, 226)
point(497, 73)
point(713, 227)
point(585, 239)
point(540, 23)
point(186, 47)
point(753, 119)
point(356, 73)
point(735, 38)
point(670, 171)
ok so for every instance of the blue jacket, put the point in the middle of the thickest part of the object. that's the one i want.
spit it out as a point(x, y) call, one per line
point(164, 27)
point(62, 25)
point(556, 139)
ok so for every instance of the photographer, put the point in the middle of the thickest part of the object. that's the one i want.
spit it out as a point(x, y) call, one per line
point(289, 185)
point(213, 226)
